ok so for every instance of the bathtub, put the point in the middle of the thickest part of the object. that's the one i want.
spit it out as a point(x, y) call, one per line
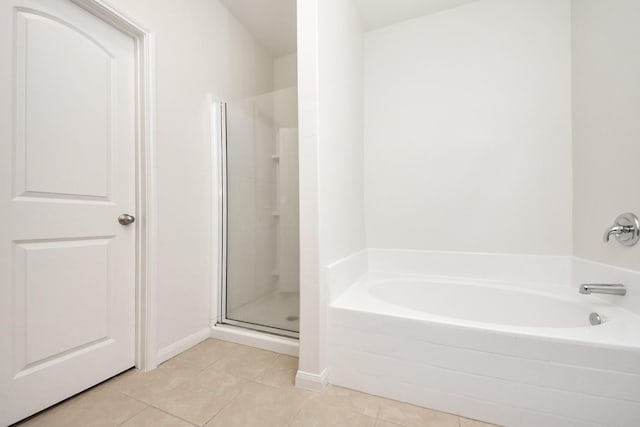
point(502, 352)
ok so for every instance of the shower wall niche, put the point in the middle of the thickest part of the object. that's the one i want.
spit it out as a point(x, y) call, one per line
point(261, 285)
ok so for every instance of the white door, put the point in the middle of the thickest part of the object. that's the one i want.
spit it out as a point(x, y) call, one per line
point(67, 171)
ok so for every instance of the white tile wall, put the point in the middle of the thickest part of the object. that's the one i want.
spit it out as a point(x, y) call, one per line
point(529, 269)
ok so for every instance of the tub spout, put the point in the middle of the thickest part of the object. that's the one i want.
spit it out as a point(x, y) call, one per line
point(609, 289)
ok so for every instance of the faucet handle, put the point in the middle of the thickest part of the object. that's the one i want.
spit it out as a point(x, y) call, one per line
point(626, 229)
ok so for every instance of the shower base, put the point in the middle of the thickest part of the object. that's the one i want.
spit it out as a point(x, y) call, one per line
point(278, 310)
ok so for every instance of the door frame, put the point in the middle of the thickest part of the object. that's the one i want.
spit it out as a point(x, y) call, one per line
point(146, 201)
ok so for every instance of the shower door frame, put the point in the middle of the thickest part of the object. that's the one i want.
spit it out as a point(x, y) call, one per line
point(220, 138)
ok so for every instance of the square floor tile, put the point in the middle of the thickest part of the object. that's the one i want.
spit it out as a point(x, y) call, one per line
point(245, 362)
point(199, 400)
point(261, 405)
point(208, 352)
point(152, 417)
point(315, 413)
point(414, 416)
point(145, 386)
point(99, 407)
point(281, 373)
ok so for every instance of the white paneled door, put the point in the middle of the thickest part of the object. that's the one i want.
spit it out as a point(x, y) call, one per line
point(67, 172)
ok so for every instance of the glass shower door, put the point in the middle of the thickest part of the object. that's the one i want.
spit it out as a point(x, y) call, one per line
point(261, 271)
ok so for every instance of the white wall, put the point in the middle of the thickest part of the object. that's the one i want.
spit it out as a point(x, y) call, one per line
point(289, 207)
point(331, 161)
point(285, 77)
point(285, 73)
point(200, 49)
point(340, 57)
point(468, 130)
point(606, 125)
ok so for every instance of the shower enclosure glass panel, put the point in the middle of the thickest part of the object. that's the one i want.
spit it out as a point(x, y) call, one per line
point(261, 285)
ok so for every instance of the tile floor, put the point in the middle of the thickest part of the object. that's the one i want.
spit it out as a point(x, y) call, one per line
point(218, 383)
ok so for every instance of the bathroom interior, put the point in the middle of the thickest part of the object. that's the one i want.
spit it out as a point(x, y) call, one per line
point(429, 201)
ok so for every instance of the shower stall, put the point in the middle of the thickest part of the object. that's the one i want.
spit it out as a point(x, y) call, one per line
point(259, 207)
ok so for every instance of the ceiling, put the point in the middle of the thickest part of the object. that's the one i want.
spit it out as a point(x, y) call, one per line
point(272, 22)
point(380, 13)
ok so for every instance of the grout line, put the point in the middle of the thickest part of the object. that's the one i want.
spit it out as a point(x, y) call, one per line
point(256, 382)
point(152, 406)
point(134, 415)
point(137, 413)
point(188, 362)
point(302, 405)
point(379, 407)
point(173, 415)
point(223, 408)
point(304, 402)
point(264, 369)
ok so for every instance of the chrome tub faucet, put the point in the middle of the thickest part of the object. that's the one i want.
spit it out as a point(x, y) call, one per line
point(608, 289)
point(626, 229)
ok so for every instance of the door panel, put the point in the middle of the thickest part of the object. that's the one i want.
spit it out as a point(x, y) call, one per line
point(67, 171)
point(82, 67)
point(47, 273)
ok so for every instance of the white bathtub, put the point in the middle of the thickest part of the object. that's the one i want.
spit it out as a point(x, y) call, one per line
point(496, 351)
point(552, 311)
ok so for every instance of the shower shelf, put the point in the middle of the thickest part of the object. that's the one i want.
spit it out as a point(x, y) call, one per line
point(275, 157)
point(275, 213)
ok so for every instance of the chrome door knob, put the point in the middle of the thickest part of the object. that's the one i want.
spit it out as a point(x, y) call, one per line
point(126, 219)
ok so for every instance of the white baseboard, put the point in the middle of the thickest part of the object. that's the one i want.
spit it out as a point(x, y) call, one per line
point(178, 347)
point(282, 345)
point(313, 382)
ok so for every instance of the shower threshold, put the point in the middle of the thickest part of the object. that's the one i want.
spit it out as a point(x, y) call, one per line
point(255, 338)
point(261, 328)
